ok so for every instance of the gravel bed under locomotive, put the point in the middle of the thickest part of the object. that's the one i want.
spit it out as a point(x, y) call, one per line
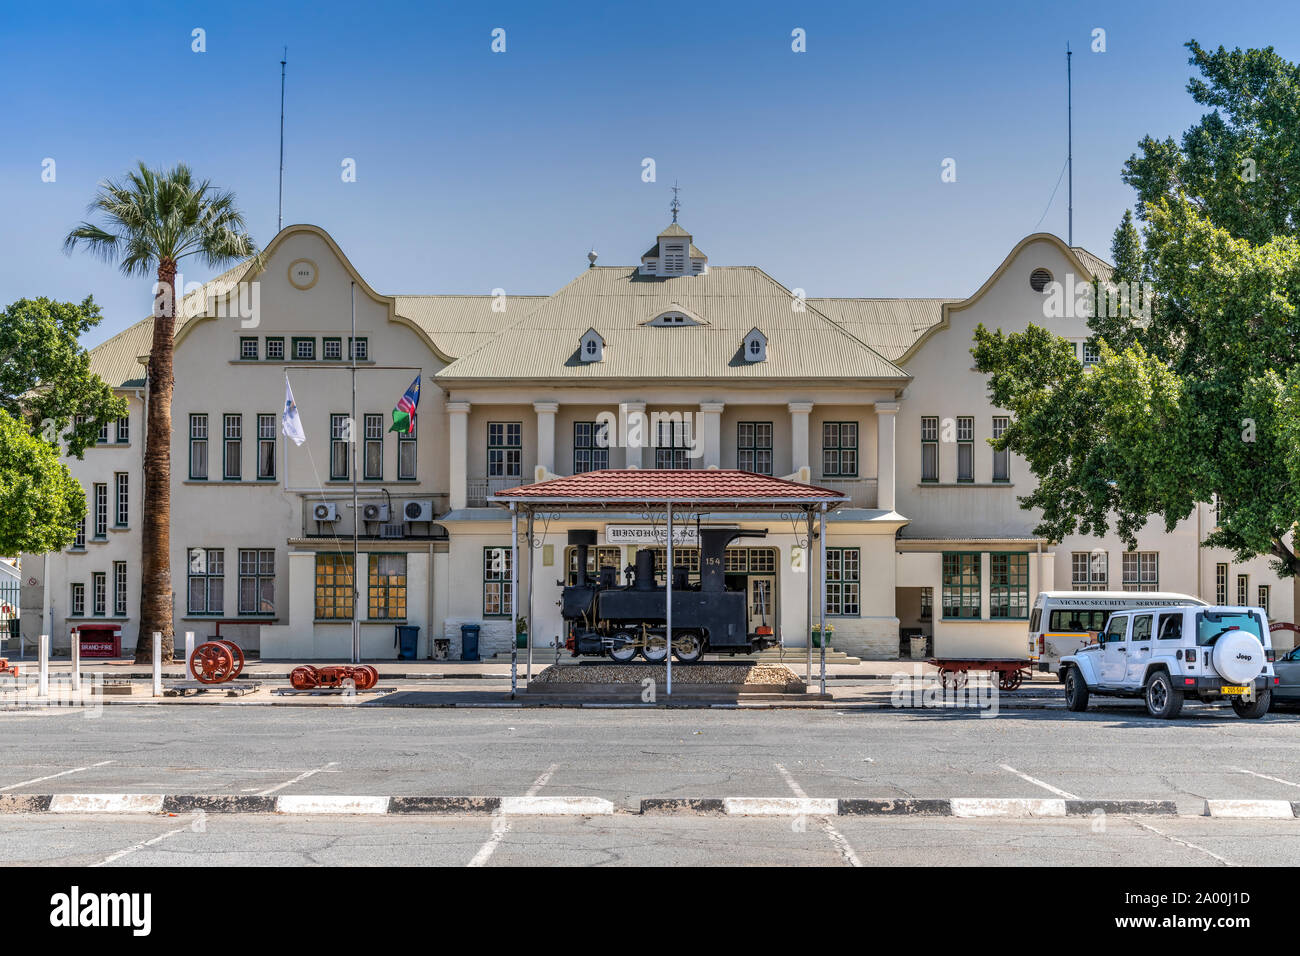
point(603, 617)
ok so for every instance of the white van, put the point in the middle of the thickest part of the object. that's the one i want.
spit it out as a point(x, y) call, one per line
point(1064, 621)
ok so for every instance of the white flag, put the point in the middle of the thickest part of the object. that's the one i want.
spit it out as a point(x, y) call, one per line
point(291, 424)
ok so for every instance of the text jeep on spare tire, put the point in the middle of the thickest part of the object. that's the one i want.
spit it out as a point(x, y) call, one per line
point(1166, 655)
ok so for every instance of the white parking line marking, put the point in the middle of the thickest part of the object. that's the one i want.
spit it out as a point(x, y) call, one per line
point(62, 773)
point(1039, 783)
point(835, 836)
point(301, 776)
point(1262, 776)
point(501, 823)
point(1190, 846)
point(140, 846)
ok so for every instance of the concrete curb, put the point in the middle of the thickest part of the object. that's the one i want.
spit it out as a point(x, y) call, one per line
point(336, 804)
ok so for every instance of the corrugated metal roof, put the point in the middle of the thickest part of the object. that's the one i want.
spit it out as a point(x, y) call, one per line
point(117, 361)
point(1099, 267)
point(617, 301)
point(679, 485)
point(890, 326)
point(458, 324)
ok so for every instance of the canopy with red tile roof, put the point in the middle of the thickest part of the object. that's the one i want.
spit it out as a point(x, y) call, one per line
point(706, 487)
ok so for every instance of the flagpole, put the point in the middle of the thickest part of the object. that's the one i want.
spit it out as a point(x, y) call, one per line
point(356, 511)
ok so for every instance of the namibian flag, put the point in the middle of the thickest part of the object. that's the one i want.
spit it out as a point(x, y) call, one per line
point(404, 413)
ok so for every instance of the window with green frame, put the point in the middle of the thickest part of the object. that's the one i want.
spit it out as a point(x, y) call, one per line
point(331, 349)
point(275, 347)
point(248, 347)
point(843, 582)
point(304, 349)
point(497, 585)
point(839, 449)
point(961, 584)
point(1009, 586)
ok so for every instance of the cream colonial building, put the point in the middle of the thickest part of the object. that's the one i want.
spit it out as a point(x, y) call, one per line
point(874, 397)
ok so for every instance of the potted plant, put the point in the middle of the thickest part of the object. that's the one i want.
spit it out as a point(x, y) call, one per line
point(817, 635)
point(521, 632)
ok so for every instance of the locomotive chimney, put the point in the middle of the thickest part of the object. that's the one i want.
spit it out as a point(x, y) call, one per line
point(582, 540)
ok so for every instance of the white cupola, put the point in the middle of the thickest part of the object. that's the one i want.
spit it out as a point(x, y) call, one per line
point(673, 254)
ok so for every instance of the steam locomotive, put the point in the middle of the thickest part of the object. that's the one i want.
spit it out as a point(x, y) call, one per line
point(604, 618)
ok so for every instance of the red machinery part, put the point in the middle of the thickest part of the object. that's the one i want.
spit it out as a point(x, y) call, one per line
point(237, 653)
point(306, 677)
point(212, 663)
point(7, 668)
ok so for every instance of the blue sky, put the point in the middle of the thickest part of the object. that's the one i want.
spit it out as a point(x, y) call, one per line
point(478, 170)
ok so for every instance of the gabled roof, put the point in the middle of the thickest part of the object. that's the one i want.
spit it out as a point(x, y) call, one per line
point(618, 300)
point(677, 485)
point(674, 231)
point(890, 326)
point(459, 324)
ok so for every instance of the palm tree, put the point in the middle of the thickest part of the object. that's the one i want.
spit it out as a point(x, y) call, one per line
point(151, 220)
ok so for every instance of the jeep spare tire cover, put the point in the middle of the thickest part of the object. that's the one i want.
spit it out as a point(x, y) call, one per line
point(1238, 657)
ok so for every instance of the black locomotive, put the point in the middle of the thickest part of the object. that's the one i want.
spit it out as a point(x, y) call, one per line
point(604, 618)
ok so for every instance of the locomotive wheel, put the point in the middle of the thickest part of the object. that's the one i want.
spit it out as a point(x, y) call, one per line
point(952, 678)
point(365, 677)
point(304, 677)
point(688, 647)
point(1009, 680)
point(238, 654)
point(211, 663)
point(656, 648)
point(623, 652)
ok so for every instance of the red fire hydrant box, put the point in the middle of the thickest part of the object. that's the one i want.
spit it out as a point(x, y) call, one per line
point(100, 640)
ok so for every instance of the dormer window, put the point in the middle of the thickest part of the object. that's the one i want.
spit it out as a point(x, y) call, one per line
point(755, 346)
point(591, 347)
point(674, 320)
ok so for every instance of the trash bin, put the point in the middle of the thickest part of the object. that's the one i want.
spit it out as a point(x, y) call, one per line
point(469, 642)
point(918, 648)
point(406, 638)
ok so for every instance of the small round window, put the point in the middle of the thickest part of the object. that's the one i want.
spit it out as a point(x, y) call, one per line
point(1039, 279)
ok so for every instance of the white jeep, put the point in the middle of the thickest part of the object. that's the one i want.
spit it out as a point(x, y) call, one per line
point(1166, 655)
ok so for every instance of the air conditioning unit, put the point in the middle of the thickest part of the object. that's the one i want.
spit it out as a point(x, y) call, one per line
point(325, 511)
point(417, 510)
point(374, 512)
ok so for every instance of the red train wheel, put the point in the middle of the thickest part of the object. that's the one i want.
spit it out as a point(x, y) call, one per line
point(1010, 679)
point(366, 677)
point(211, 663)
point(304, 677)
point(238, 654)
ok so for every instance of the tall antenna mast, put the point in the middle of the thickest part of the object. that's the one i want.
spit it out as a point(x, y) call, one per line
point(675, 205)
point(280, 214)
point(1069, 156)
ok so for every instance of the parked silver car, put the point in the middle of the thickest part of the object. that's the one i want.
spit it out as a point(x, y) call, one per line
point(1286, 689)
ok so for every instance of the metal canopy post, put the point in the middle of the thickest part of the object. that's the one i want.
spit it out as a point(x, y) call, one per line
point(668, 658)
point(808, 569)
point(822, 527)
point(514, 600)
point(531, 620)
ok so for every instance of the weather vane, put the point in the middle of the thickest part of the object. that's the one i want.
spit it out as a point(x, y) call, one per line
point(676, 205)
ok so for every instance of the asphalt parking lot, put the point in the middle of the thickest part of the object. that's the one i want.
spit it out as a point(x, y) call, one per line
point(624, 756)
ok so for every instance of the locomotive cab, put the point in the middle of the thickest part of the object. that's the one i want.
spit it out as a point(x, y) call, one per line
point(605, 619)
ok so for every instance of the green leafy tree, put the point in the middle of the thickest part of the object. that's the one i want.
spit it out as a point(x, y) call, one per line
point(40, 501)
point(1200, 400)
point(149, 222)
point(45, 385)
point(45, 376)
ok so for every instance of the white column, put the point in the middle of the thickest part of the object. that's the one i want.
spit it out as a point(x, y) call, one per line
point(635, 456)
point(886, 413)
point(799, 453)
point(546, 433)
point(458, 454)
point(711, 434)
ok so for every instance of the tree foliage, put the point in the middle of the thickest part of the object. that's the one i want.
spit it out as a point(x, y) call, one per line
point(1199, 401)
point(45, 376)
point(40, 501)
